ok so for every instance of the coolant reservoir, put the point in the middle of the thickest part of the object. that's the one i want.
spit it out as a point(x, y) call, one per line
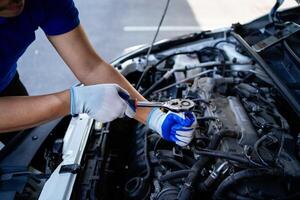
point(232, 54)
point(184, 61)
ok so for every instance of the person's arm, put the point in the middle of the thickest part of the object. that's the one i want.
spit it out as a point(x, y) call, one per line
point(89, 68)
point(24, 112)
point(18, 113)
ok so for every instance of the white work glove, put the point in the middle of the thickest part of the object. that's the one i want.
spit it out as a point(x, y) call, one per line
point(101, 102)
point(174, 127)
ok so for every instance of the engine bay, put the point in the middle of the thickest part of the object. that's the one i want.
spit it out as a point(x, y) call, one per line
point(245, 144)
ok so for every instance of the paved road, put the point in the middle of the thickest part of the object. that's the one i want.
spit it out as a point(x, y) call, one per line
point(113, 25)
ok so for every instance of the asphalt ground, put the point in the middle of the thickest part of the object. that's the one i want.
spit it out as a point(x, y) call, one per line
point(113, 25)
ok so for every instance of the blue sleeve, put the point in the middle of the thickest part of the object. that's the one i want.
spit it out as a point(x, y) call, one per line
point(60, 16)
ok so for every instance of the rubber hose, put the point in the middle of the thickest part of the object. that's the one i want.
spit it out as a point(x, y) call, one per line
point(191, 181)
point(248, 173)
point(175, 175)
point(188, 188)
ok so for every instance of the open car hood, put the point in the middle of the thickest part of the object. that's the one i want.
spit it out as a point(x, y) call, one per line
point(244, 81)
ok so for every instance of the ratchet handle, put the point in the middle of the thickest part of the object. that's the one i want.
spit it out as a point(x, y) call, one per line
point(131, 102)
point(134, 103)
point(149, 104)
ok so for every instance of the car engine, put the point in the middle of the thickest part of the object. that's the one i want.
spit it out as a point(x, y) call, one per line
point(244, 147)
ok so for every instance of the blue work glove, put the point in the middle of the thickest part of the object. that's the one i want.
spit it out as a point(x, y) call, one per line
point(174, 127)
point(101, 102)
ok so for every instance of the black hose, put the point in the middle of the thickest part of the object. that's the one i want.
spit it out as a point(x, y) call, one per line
point(188, 188)
point(224, 155)
point(167, 160)
point(258, 144)
point(172, 162)
point(231, 180)
point(175, 175)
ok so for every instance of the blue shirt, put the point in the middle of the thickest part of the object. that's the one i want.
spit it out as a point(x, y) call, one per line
point(16, 34)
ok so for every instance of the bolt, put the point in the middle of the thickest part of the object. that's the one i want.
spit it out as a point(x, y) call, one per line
point(35, 137)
